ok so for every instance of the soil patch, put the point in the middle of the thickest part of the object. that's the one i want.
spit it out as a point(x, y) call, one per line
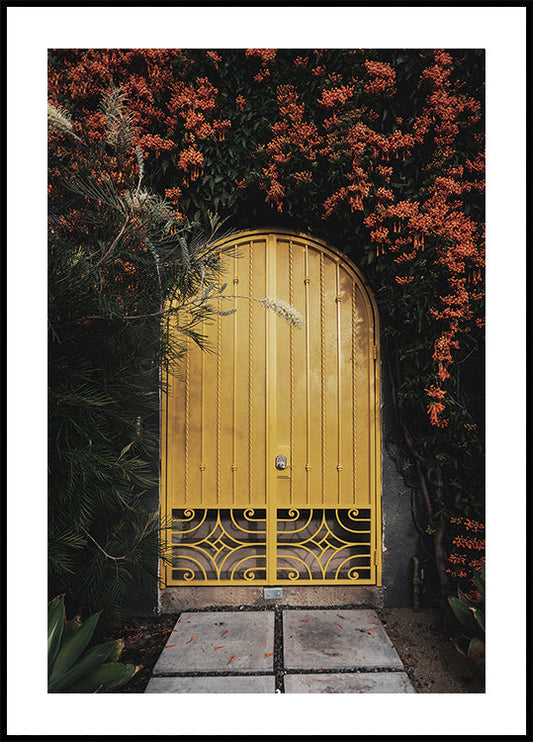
point(427, 652)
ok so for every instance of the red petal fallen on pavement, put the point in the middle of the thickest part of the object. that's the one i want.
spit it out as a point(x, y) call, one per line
point(233, 658)
point(190, 640)
point(221, 646)
point(343, 617)
point(224, 632)
point(338, 624)
point(169, 646)
point(303, 620)
point(269, 655)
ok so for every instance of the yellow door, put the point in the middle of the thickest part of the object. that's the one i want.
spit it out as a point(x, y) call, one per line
point(270, 443)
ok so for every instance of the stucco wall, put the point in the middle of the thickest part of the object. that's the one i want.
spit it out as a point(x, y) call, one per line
point(400, 537)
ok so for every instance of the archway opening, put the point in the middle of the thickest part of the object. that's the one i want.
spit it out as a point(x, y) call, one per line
point(271, 444)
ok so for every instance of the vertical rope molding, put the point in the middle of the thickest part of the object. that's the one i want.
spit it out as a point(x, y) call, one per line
point(202, 444)
point(187, 421)
point(322, 378)
point(339, 406)
point(307, 379)
point(250, 367)
point(234, 453)
point(219, 332)
point(354, 437)
point(291, 371)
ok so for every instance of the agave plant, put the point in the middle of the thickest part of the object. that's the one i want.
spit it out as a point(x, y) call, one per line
point(471, 615)
point(74, 669)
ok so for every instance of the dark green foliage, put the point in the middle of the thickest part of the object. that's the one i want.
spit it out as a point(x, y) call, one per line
point(72, 668)
point(112, 264)
point(470, 613)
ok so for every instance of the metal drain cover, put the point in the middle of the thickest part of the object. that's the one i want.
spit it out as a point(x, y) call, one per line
point(271, 593)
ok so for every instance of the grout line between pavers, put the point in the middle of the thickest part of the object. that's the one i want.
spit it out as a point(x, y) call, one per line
point(345, 670)
point(282, 674)
point(276, 606)
point(214, 674)
point(279, 667)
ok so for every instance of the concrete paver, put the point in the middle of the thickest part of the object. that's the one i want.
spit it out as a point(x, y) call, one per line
point(212, 684)
point(225, 641)
point(317, 639)
point(224, 645)
point(349, 682)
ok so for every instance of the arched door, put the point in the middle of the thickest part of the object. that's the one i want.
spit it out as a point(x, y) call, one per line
point(271, 443)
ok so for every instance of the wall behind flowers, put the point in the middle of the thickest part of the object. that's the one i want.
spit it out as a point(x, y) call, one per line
point(378, 152)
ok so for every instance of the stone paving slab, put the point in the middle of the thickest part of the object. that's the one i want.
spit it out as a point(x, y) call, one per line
point(224, 684)
point(223, 642)
point(318, 639)
point(349, 682)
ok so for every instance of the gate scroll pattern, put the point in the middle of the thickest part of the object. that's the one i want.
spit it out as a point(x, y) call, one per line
point(311, 545)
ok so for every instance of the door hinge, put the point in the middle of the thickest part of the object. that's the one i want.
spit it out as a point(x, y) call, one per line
point(375, 352)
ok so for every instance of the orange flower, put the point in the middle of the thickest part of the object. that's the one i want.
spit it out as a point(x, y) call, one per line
point(404, 280)
point(382, 78)
point(435, 391)
point(215, 57)
point(434, 410)
point(336, 96)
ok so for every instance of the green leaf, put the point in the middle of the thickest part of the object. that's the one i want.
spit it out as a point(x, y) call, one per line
point(73, 647)
point(70, 626)
point(480, 582)
point(105, 678)
point(464, 615)
point(125, 450)
point(56, 623)
point(90, 661)
point(475, 647)
point(116, 650)
point(461, 645)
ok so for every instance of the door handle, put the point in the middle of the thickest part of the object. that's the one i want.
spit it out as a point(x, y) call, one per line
point(281, 462)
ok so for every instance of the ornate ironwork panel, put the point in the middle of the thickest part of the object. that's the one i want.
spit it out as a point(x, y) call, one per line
point(227, 545)
point(214, 545)
point(324, 545)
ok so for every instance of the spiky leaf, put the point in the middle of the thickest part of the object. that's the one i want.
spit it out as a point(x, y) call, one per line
point(88, 663)
point(480, 583)
point(464, 615)
point(72, 648)
point(105, 678)
point(476, 649)
point(56, 622)
point(480, 618)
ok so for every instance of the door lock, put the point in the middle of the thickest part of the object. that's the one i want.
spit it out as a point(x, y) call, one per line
point(281, 462)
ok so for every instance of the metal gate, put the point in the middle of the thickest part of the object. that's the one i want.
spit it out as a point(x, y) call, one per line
point(271, 444)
